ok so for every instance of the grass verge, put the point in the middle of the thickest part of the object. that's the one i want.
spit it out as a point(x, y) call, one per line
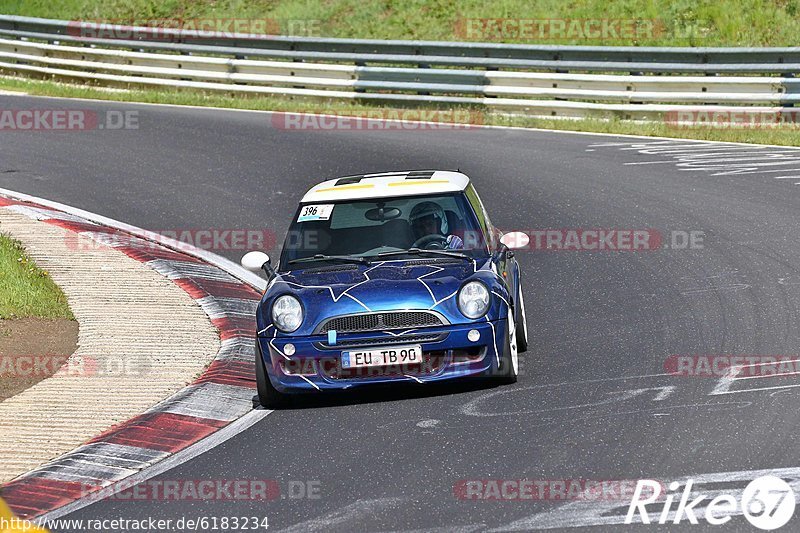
point(26, 290)
point(658, 22)
point(779, 135)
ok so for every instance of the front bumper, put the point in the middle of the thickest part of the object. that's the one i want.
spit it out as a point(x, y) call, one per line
point(447, 354)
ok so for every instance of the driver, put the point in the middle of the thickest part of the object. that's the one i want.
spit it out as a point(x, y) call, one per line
point(428, 218)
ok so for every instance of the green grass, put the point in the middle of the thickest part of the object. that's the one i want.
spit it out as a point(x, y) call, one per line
point(25, 290)
point(679, 22)
point(780, 135)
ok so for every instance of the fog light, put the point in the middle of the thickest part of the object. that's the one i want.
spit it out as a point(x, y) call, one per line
point(474, 335)
point(288, 349)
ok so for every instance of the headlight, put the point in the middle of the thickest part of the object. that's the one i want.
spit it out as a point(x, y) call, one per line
point(473, 299)
point(287, 313)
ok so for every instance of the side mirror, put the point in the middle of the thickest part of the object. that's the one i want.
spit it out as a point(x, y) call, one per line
point(515, 240)
point(256, 262)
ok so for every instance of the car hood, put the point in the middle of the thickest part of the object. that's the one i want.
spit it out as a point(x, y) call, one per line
point(343, 289)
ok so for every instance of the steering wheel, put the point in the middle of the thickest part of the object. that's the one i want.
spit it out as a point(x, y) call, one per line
point(434, 241)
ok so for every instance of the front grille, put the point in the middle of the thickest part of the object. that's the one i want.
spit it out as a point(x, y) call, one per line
point(381, 321)
point(382, 341)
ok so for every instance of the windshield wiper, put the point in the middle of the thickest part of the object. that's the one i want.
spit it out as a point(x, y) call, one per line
point(420, 251)
point(323, 257)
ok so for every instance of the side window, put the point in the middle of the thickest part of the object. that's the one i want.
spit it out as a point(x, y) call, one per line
point(483, 216)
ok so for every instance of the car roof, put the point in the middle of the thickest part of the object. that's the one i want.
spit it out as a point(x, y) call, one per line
point(386, 185)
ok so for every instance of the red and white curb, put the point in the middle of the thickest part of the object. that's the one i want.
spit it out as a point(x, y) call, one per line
point(222, 395)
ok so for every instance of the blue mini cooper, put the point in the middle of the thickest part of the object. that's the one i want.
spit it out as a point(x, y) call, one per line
point(387, 278)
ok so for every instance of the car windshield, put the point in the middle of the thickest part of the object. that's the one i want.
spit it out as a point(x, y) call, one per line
point(366, 228)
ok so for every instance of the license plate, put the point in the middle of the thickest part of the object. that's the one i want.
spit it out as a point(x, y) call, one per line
point(391, 355)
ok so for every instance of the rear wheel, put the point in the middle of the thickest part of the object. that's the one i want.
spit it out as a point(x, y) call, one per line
point(268, 396)
point(509, 362)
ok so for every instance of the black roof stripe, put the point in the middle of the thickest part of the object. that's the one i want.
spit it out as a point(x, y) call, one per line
point(410, 175)
point(348, 180)
point(419, 175)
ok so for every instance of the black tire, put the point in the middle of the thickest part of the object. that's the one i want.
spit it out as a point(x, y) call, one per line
point(268, 396)
point(507, 374)
point(521, 320)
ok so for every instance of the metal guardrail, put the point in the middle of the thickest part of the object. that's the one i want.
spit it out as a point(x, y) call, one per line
point(451, 52)
point(575, 82)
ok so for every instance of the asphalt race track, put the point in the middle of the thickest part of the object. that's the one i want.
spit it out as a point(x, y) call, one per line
point(594, 401)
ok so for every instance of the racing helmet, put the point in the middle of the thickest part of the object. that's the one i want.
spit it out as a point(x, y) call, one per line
point(422, 211)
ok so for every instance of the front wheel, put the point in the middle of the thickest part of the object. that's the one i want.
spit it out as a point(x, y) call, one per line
point(522, 322)
point(509, 362)
point(268, 396)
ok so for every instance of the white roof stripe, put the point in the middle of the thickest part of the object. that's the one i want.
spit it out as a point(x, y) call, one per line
point(387, 184)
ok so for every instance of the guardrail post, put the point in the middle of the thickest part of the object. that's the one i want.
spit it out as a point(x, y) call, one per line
point(423, 65)
point(636, 74)
point(360, 64)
